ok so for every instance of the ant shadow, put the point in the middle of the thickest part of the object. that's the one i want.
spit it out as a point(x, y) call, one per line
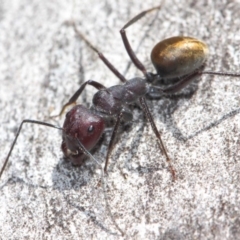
point(67, 177)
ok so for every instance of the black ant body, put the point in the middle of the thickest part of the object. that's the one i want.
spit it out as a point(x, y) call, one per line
point(180, 58)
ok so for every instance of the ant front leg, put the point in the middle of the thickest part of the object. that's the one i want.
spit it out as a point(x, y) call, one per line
point(111, 143)
point(75, 96)
point(126, 116)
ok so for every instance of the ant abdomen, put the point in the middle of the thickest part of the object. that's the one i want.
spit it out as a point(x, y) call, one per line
point(178, 56)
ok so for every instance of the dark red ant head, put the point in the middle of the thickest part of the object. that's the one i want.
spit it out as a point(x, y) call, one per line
point(81, 124)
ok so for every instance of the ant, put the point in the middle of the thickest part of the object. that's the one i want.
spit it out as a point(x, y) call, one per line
point(181, 59)
point(176, 59)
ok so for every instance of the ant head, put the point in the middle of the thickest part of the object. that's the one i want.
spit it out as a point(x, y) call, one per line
point(81, 125)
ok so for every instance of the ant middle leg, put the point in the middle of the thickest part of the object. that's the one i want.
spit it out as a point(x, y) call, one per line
point(148, 114)
point(111, 143)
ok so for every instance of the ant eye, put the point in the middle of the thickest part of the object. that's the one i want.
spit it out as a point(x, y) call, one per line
point(90, 129)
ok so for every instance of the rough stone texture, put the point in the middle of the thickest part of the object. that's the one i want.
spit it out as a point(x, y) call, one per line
point(42, 63)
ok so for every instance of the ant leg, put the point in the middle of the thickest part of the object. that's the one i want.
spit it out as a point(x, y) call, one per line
point(101, 56)
point(75, 96)
point(156, 92)
point(181, 84)
point(221, 73)
point(127, 45)
point(126, 116)
point(185, 81)
point(18, 132)
point(111, 143)
point(155, 130)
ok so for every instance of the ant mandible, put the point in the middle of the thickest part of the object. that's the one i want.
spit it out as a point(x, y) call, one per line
point(177, 58)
